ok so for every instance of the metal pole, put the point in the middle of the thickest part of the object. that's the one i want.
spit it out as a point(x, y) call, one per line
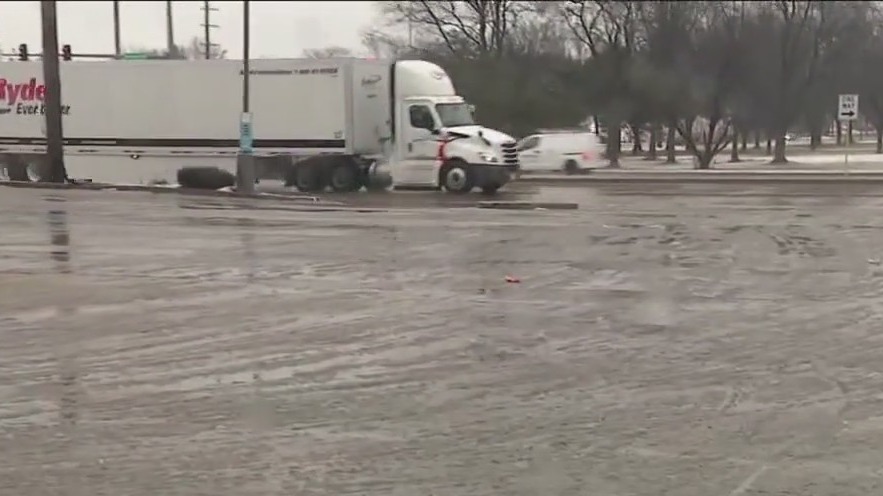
point(52, 102)
point(244, 160)
point(208, 28)
point(170, 32)
point(246, 41)
point(116, 29)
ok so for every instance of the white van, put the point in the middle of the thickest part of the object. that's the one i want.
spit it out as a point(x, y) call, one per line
point(567, 151)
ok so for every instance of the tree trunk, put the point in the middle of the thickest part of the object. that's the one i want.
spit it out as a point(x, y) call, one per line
point(839, 130)
point(879, 130)
point(705, 160)
point(779, 152)
point(815, 139)
point(637, 147)
point(734, 146)
point(769, 146)
point(849, 137)
point(744, 141)
point(614, 143)
point(756, 140)
point(670, 157)
point(654, 138)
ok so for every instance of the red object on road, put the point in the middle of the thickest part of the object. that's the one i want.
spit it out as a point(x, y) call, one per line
point(513, 279)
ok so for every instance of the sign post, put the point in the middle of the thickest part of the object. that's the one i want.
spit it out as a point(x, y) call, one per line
point(847, 110)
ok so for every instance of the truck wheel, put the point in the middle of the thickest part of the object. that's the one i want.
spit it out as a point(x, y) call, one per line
point(308, 179)
point(345, 178)
point(571, 167)
point(455, 177)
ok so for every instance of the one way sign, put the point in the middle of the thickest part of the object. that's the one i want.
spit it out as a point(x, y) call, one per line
point(848, 108)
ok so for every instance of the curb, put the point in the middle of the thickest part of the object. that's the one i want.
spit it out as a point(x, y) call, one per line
point(518, 205)
point(165, 189)
point(709, 177)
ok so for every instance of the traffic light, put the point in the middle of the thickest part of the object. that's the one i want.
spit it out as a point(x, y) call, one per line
point(23, 52)
point(66, 52)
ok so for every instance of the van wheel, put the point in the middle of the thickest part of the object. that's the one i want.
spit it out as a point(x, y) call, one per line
point(455, 177)
point(344, 178)
point(571, 167)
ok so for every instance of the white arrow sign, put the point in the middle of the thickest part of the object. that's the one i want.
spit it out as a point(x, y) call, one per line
point(847, 108)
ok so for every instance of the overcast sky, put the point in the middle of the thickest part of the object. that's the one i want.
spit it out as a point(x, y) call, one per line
point(278, 29)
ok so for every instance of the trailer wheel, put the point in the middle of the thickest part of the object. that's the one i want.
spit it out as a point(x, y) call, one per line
point(308, 179)
point(16, 169)
point(455, 177)
point(345, 178)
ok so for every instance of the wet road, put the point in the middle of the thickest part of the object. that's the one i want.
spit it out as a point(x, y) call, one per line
point(724, 341)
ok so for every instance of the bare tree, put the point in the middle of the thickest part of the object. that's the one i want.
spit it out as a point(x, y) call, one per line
point(467, 28)
point(328, 52)
point(196, 50)
point(667, 28)
point(787, 38)
point(870, 80)
point(610, 30)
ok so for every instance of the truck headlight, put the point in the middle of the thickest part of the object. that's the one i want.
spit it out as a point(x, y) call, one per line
point(488, 157)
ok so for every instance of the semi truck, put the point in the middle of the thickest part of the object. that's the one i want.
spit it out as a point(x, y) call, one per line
point(341, 123)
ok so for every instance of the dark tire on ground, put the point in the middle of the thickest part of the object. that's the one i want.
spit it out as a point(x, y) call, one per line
point(455, 177)
point(490, 189)
point(345, 177)
point(571, 167)
point(14, 168)
point(312, 174)
point(205, 178)
point(308, 178)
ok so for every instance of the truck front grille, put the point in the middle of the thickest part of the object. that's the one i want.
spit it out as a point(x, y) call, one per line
point(510, 153)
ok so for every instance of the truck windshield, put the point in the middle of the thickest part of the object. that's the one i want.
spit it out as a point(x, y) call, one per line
point(454, 114)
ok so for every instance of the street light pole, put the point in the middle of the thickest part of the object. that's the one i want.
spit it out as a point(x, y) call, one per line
point(244, 159)
point(52, 80)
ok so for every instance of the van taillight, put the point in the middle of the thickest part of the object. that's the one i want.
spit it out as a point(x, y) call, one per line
point(588, 156)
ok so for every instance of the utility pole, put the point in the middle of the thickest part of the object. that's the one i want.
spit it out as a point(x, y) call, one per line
point(52, 79)
point(170, 32)
point(207, 25)
point(116, 29)
point(244, 160)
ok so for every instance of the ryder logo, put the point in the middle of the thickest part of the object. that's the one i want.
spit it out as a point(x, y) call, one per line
point(24, 98)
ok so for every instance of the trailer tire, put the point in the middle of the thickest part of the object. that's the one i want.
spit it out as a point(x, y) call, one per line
point(14, 168)
point(455, 177)
point(210, 178)
point(345, 178)
point(309, 179)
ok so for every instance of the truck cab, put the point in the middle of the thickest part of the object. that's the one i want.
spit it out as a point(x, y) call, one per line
point(436, 141)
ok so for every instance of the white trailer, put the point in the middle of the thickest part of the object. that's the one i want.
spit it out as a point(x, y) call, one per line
point(141, 121)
